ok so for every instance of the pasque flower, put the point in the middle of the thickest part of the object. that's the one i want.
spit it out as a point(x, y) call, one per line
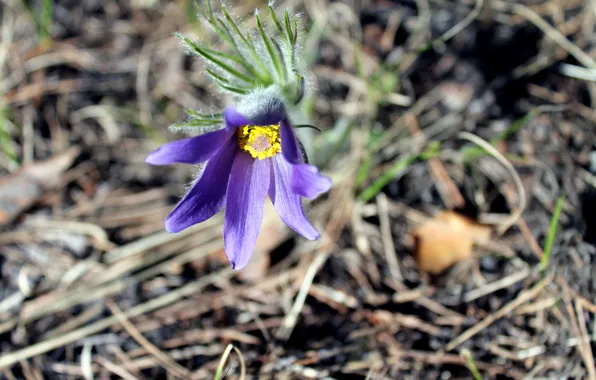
point(255, 155)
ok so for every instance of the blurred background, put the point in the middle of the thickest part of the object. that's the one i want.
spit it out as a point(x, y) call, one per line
point(457, 241)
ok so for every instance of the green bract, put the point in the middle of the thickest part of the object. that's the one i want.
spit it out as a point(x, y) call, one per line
point(262, 56)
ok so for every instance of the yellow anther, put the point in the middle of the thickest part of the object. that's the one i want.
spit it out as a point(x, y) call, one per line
point(260, 141)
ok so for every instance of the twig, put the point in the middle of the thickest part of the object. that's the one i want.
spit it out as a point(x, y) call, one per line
point(588, 356)
point(8, 360)
point(464, 23)
point(291, 319)
point(497, 285)
point(503, 161)
point(521, 299)
point(551, 32)
point(387, 237)
point(115, 369)
point(170, 365)
point(219, 374)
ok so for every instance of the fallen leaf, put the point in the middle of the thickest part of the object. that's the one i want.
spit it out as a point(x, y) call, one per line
point(446, 239)
point(22, 189)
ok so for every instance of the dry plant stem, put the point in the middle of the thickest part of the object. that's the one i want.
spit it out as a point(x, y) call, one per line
point(224, 359)
point(291, 319)
point(447, 188)
point(170, 365)
point(494, 286)
point(10, 359)
point(155, 240)
point(548, 30)
point(86, 365)
point(387, 237)
point(100, 236)
point(578, 325)
point(86, 295)
point(464, 23)
point(503, 161)
point(521, 299)
point(115, 369)
point(527, 234)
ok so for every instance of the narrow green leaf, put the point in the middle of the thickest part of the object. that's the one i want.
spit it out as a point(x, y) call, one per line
point(197, 115)
point(190, 8)
point(236, 90)
point(267, 42)
point(275, 20)
point(210, 57)
point(552, 232)
point(307, 126)
point(247, 41)
point(295, 38)
point(226, 84)
point(288, 25)
point(223, 55)
point(195, 124)
point(218, 77)
point(223, 33)
point(282, 61)
point(210, 11)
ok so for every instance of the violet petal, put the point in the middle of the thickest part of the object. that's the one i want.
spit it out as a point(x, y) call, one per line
point(289, 143)
point(234, 119)
point(247, 189)
point(307, 182)
point(193, 150)
point(206, 197)
point(286, 202)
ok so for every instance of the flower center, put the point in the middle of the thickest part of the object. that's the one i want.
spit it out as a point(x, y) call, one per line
point(260, 141)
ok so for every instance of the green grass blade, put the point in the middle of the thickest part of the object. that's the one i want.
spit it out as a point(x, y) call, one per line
point(45, 21)
point(370, 192)
point(514, 127)
point(363, 170)
point(5, 140)
point(552, 232)
point(220, 373)
point(471, 364)
point(376, 187)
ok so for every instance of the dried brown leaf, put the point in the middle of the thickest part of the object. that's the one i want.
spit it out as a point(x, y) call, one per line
point(21, 190)
point(446, 239)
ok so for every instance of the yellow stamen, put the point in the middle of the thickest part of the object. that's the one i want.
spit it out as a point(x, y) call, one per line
point(260, 141)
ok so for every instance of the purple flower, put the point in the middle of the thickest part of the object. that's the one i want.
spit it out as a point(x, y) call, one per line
point(256, 155)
